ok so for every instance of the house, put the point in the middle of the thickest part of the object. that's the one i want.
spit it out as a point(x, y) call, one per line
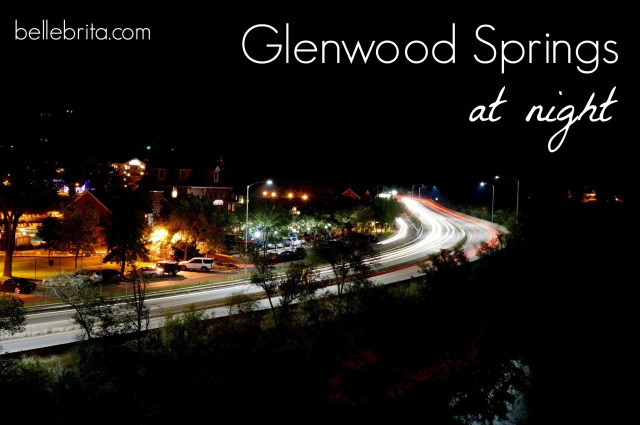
point(181, 179)
point(88, 199)
point(130, 172)
point(350, 194)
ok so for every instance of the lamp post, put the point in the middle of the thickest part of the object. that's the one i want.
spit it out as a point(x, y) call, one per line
point(420, 188)
point(414, 185)
point(493, 195)
point(517, 193)
point(246, 228)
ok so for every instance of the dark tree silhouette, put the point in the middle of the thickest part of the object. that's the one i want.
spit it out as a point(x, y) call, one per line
point(21, 189)
point(351, 258)
point(12, 314)
point(78, 230)
point(126, 236)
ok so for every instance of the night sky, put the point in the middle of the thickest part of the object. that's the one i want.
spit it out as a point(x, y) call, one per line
point(361, 125)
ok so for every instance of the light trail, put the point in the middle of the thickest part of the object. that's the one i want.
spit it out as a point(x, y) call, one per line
point(442, 228)
point(400, 234)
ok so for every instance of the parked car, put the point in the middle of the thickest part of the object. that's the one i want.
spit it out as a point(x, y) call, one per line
point(108, 276)
point(101, 276)
point(273, 257)
point(292, 254)
point(148, 271)
point(65, 280)
point(17, 285)
point(274, 245)
point(197, 263)
point(293, 241)
point(288, 256)
point(85, 274)
point(145, 271)
point(167, 267)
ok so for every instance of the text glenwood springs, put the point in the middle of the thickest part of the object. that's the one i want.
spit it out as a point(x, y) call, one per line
point(587, 54)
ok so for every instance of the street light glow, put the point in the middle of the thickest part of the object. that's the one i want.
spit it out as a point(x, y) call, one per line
point(246, 225)
point(414, 185)
point(423, 186)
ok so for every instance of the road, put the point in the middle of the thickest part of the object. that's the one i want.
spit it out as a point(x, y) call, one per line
point(440, 228)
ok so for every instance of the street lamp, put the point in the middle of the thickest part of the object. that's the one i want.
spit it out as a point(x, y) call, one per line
point(517, 193)
point(420, 188)
point(246, 228)
point(414, 185)
point(493, 195)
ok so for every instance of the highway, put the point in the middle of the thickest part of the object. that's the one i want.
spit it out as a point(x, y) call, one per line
point(440, 228)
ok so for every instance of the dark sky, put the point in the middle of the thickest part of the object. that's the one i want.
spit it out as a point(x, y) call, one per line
point(357, 124)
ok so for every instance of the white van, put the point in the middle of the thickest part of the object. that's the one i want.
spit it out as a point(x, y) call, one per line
point(197, 263)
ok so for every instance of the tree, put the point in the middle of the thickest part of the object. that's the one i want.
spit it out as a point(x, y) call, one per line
point(182, 335)
point(385, 211)
point(187, 220)
point(99, 316)
point(264, 276)
point(488, 392)
point(271, 219)
point(47, 232)
point(216, 224)
point(361, 216)
point(296, 281)
point(93, 313)
point(309, 223)
point(351, 259)
point(444, 261)
point(197, 222)
point(343, 219)
point(21, 189)
point(12, 316)
point(126, 236)
point(78, 230)
point(136, 314)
